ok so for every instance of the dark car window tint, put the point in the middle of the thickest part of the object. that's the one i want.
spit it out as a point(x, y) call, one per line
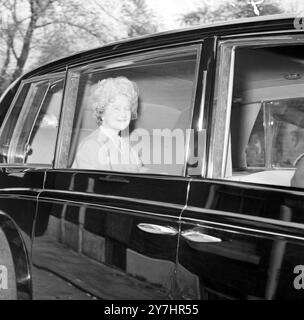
point(267, 115)
point(28, 136)
point(166, 87)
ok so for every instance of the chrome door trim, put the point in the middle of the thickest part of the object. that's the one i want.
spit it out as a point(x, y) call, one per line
point(214, 225)
point(113, 208)
point(110, 197)
point(251, 186)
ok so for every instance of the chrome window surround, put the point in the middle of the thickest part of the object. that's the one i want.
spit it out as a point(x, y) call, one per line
point(32, 80)
point(223, 94)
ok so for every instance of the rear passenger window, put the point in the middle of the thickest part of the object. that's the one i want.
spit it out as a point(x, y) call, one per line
point(163, 85)
point(267, 115)
point(28, 135)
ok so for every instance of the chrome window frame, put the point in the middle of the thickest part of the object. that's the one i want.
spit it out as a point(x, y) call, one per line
point(224, 82)
point(32, 80)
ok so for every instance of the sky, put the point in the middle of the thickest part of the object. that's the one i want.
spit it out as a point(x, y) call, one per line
point(170, 10)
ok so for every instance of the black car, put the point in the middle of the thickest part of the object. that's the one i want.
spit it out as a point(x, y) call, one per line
point(219, 129)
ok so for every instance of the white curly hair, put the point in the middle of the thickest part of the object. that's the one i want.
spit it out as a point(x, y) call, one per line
point(107, 89)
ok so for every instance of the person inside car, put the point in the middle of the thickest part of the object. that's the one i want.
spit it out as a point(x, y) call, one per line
point(115, 103)
point(298, 178)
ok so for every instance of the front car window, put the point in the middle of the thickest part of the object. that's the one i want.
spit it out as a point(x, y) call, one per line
point(265, 135)
point(158, 133)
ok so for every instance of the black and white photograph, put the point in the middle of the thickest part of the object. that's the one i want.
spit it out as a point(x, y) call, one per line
point(152, 150)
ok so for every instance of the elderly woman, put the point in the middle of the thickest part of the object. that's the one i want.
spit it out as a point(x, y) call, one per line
point(115, 102)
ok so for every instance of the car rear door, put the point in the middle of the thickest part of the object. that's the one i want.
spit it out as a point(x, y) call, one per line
point(113, 235)
point(107, 236)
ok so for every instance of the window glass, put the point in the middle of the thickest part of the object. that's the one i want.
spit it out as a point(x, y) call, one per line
point(10, 124)
point(255, 149)
point(28, 135)
point(156, 134)
point(267, 115)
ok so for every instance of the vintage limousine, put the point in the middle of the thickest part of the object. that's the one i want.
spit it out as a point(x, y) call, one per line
point(213, 216)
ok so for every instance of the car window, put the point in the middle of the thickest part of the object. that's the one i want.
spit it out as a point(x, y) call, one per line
point(267, 115)
point(28, 135)
point(158, 133)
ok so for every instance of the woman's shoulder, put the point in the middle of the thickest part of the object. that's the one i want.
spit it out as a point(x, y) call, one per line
point(96, 138)
point(89, 143)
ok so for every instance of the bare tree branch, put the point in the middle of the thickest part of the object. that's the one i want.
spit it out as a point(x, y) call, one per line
point(44, 24)
point(13, 49)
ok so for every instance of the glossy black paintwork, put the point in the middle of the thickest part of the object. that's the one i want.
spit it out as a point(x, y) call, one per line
point(18, 200)
point(96, 217)
point(250, 200)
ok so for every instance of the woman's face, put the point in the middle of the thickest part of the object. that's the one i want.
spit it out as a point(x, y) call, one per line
point(117, 114)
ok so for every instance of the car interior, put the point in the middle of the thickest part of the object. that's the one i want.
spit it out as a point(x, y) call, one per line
point(267, 115)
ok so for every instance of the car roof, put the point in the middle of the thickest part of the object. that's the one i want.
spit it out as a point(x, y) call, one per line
point(233, 27)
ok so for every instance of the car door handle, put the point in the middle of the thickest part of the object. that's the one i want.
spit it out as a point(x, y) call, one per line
point(157, 229)
point(197, 236)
